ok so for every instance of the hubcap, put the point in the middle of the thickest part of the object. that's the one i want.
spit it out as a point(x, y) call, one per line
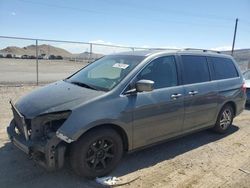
point(225, 119)
point(100, 154)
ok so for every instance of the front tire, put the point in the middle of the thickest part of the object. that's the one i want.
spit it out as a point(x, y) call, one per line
point(224, 120)
point(96, 153)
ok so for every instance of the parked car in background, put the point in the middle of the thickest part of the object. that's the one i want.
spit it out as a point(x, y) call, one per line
point(59, 57)
point(24, 57)
point(9, 56)
point(124, 102)
point(246, 76)
point(52, 57)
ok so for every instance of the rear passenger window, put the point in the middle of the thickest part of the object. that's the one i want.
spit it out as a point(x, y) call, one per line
point(194, 69)
point(223, 68)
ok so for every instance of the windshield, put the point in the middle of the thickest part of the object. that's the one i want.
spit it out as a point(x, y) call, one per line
point(105, 73)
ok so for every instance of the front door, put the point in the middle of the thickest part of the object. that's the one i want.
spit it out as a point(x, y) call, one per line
point(158, 114)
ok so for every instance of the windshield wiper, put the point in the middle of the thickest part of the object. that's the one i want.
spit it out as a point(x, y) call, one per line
point(84, 85)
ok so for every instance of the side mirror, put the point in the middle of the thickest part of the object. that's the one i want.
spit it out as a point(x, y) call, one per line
point(144, 85)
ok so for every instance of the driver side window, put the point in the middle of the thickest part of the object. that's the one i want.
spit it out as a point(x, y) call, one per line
point(162, 71)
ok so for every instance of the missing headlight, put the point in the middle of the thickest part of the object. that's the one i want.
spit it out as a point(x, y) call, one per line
point(45, 126)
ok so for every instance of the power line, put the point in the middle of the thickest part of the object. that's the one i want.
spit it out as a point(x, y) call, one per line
point(62, 7)
point(174, 11)
point(134, 17)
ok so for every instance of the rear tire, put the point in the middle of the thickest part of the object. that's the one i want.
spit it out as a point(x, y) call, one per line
point(224, 119)
point(96, 153)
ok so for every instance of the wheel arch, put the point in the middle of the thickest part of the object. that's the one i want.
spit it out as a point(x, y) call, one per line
point(115, 127)
point(232, 104)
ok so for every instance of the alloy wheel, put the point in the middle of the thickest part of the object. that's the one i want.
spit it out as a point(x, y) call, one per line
point(100, 154)
point(226, 119)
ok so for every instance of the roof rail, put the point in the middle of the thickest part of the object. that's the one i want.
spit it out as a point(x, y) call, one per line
point(203, 50)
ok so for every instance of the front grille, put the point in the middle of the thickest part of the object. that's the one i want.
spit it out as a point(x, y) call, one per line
point(19, 121)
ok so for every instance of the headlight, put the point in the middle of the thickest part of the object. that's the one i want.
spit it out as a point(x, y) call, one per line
point(47, 124)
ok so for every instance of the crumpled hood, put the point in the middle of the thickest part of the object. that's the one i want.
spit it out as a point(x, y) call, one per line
point(54, 97)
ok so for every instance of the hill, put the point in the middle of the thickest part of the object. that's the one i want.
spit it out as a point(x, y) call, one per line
point(47, 50)
point(31, 50)
point(242, 57)
point(240, 54)
point(86, 55)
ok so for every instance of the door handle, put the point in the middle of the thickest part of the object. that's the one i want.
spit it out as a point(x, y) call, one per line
point(175, 96)
point(193, 92)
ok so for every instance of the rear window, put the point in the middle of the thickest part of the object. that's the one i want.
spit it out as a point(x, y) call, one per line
point(223, 68)
point(195, 69)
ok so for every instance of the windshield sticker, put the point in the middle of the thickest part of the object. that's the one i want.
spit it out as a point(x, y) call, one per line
point(120, 65)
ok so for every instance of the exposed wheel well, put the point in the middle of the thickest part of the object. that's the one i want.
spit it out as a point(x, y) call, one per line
point(118, 129)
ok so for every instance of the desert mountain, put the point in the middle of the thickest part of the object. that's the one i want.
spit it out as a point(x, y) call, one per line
point(47, 50)
point(240, 55)
point(85, 55)
point(31, 50)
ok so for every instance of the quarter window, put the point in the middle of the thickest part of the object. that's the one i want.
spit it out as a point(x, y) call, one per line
point(223, 68)
point(162, 71)
point(194, 69)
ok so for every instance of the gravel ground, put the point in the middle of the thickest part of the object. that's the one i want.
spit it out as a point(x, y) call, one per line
point(203, 159)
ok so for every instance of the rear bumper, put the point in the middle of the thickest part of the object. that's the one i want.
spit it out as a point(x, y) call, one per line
point(49, 153)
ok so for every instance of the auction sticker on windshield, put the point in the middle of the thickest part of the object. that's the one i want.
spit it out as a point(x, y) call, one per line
point(120, 65)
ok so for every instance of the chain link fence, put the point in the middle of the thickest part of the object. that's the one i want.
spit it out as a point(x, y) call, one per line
point(39, 61)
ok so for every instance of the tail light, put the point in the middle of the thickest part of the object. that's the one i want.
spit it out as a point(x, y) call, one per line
point(244, 87)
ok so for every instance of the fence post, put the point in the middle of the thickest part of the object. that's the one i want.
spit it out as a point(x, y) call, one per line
point(90, 52)
point(36, 62)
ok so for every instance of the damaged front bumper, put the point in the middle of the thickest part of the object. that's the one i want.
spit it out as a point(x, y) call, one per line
point(48, 153)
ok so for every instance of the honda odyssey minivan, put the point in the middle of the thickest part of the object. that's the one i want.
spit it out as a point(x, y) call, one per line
point(124, 102)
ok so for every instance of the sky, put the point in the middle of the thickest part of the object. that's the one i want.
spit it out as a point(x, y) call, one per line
point(143, 23)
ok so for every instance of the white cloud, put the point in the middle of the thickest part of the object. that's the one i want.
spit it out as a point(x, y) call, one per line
point(171, 47)
point(222, 48)
point(13, 13)
point(72, 47)
point(108, 49)
point(101, 42)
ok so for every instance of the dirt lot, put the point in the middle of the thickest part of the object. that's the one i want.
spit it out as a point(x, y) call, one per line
point(203, 159)
point(16, 71)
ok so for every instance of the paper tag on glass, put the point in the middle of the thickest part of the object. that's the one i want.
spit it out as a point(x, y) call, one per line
point(120, 65)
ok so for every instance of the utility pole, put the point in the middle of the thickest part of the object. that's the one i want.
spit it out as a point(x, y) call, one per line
point(235, 31)
point(36, 62)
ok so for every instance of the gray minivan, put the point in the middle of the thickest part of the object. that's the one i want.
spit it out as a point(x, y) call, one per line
point(124, 102)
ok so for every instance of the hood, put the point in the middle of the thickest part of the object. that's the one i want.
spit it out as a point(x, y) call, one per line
point(247, 82)
point(54, 97)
